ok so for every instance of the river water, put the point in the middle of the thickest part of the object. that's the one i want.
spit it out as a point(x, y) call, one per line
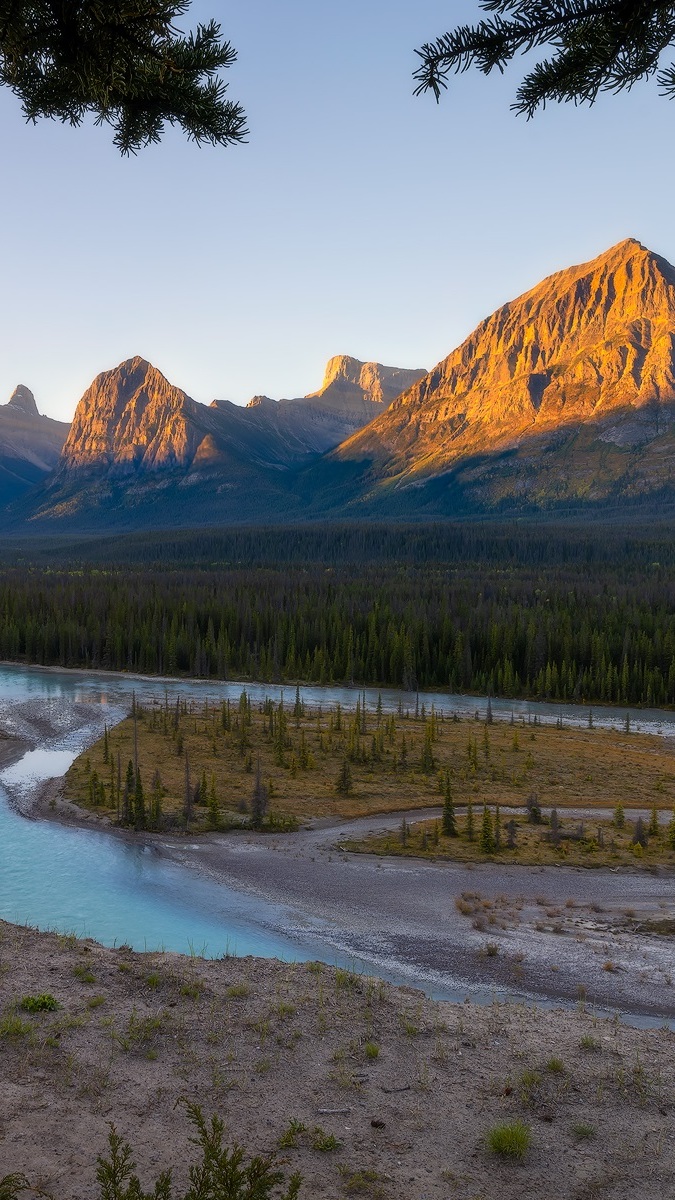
point(90, 883)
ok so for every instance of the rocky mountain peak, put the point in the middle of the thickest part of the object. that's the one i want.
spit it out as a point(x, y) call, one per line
point(132, 417)
point(589, 341)
point(23, 400)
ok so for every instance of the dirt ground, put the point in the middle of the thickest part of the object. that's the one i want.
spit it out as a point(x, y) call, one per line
point(396, 1093)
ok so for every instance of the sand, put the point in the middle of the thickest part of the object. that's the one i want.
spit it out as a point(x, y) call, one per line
point(262, 1043)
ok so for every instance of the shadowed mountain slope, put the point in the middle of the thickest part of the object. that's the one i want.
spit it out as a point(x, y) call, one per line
point(30, 444)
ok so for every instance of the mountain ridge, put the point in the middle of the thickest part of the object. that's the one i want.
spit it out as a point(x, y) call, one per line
point(563, 397)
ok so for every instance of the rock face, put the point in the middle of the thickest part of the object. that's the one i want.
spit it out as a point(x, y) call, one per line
point(23, 400)
point(132, 420)
point(588, 354)
point(352, 393)
point(30, 444)
point(141, 450)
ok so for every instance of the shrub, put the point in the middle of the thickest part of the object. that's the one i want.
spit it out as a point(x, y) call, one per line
point(511, 1139)
point(222, 1173)
point(582, 1131)
point(556, 1066)
point(45, 1002)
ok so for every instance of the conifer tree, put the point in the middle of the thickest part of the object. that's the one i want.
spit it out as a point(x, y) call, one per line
point(139, 801)
point(593, 46)
point(498, 829)
point(470, 831)
point(128, 798)
point(427, 761)
point(449, 823)
point(487, 840)
point(344, 779)
point(125, 63)
point(619, 816)
point(259, 799)
point(187, 796)
point(653, 828)
point(213, 809)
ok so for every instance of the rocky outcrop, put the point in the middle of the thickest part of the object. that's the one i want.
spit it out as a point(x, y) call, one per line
point(23, 400)
point(30, 444)
point(592, 347)
point(131, 420)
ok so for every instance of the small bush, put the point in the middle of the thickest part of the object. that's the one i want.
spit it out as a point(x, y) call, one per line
point(583, 1132)
point(324, 1141)
point(511, 1139)
point(45, 1002)
point(371, 1050)
point(556, 1066)
point(13, 1028)
point(222, 1173)
point(289, 1138)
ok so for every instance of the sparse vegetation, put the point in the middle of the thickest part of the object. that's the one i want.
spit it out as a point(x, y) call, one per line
point(270, 766)
point(511, 1139)
point(44, 1002)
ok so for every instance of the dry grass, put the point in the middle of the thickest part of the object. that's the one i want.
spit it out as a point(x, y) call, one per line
point(594, 843)
point(486, 764)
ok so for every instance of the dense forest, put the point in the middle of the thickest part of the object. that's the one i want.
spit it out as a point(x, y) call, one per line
point(551, 612)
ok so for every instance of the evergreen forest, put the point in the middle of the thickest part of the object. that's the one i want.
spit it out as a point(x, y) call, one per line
point(553, 612)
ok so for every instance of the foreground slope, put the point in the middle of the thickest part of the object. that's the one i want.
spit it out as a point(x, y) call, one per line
point(392, 1095)
point(566, 393)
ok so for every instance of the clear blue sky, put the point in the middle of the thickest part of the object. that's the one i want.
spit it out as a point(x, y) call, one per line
point(357, 219)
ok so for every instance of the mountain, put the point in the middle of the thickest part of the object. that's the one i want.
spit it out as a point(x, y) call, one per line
point(30, 444)
point(564, 395)
point(562, 400)
point(352, 394)
point(140, 449)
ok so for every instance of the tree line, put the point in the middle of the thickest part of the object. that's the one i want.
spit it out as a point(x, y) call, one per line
point(515, 614)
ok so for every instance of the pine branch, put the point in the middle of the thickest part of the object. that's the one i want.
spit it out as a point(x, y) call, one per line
point(124, 62)
point(599, 45)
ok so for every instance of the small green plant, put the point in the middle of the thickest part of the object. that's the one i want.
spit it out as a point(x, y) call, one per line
point(289, 1138)
point(84, 974)
point(324, 1141)
point(527, 1085)
point(583, 1132)
point(371, 1050)
point(154, 979)
point(45, 1002)
point(589, 1043)
point(221, 1174)
point(95, 1001)
point(345, 979)
point(13, 1028)
point(556, 1066)
point(237, 991)
point(365, 1182)
point(511, 1139)
point(11, 1185)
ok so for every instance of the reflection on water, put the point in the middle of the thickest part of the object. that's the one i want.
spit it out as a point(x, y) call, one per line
point(25, 683)
point(36, 766)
